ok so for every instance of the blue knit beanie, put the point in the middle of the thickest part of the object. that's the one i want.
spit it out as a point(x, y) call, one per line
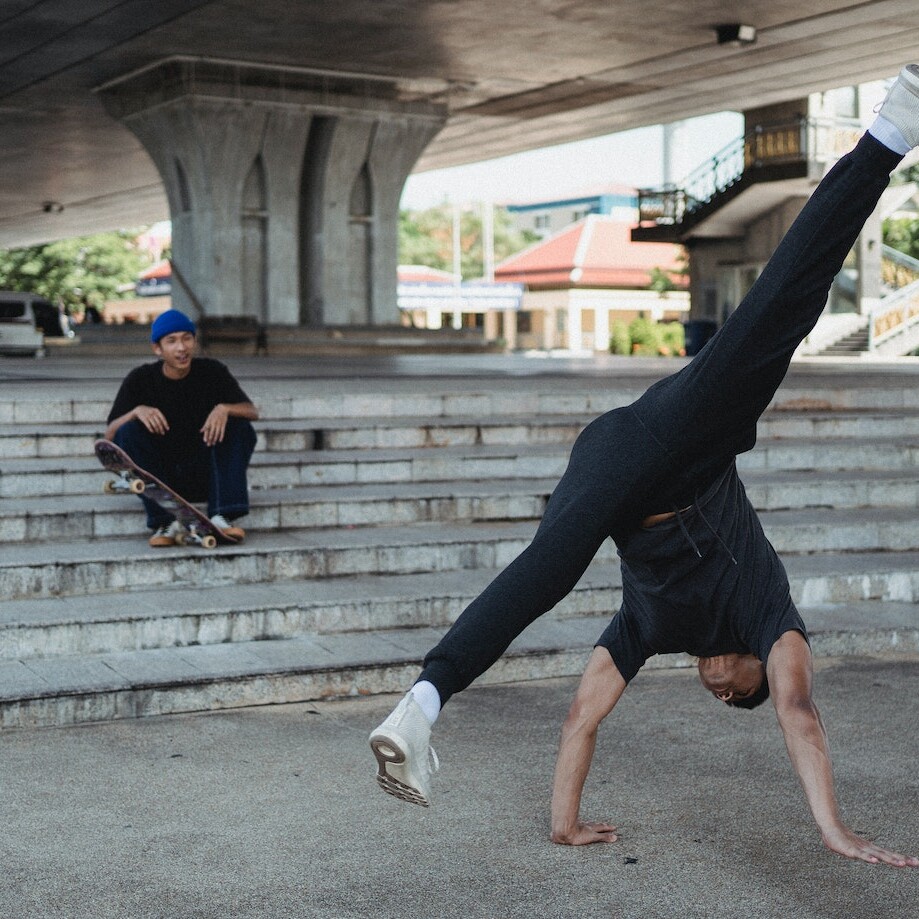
point(169, 322)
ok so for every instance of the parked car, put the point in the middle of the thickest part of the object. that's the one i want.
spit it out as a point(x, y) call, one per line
point(26, 320)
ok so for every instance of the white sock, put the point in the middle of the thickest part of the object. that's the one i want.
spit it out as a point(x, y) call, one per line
point(428, 699)
point(889, 135)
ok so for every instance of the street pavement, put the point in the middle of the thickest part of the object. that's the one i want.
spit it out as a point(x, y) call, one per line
point(273, 811)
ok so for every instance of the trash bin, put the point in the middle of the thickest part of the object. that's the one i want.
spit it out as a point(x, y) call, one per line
point(696, 333)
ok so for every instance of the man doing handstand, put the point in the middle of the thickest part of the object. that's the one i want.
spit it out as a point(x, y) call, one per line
point(698, 574)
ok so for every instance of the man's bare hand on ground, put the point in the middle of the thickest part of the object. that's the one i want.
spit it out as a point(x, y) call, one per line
point(844, 842)
point(584, 833)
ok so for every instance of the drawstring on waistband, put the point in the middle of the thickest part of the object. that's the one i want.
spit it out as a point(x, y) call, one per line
point(692, 542)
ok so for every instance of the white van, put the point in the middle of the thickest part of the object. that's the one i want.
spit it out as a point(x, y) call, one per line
point(25, 321)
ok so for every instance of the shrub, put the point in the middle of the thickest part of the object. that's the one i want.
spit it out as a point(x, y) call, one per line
point(673, 337)
point(646, 336)
point(620, 342)
point(642, 336)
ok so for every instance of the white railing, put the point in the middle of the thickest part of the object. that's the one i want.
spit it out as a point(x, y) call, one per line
point(898, 313)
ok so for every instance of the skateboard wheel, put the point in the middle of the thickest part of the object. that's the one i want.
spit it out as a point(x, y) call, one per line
point(109, 488)
point(209, 542)
point(180, 539)
point(138, 486)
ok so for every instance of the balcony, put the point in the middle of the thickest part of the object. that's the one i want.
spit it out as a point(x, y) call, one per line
point(746, 179)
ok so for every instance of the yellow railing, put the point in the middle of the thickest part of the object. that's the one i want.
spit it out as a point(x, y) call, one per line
point(899, 312)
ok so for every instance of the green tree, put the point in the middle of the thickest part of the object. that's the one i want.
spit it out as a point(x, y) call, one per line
point(426, 238)
point(902, 234)
point(71, 270)
point(661, 281)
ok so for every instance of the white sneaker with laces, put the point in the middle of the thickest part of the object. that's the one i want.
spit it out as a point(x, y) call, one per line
point(167, 535)
point(405, 758)
point(901, 107)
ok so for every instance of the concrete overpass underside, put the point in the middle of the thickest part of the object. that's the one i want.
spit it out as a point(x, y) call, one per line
point(277, 134)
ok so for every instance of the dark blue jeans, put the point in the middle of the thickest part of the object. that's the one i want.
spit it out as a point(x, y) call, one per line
point(214, 474)
point(674, 441)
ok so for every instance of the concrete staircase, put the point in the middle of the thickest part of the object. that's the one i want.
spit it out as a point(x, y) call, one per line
point(854, 342)
point(379, 510)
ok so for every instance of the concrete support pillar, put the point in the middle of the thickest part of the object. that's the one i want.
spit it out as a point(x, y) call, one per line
point(491, 325)
point(510, 329)
point(601, 329)
point(232, 188)
point(868, 262)
point(550, 320)
point(574, 330)
point(283, 186)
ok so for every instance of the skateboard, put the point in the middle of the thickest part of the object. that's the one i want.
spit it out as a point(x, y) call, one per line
point(131, 479)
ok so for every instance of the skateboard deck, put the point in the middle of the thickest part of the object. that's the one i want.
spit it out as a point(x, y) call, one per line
point(131, 479)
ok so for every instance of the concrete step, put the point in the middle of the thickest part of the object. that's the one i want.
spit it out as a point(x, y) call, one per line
point(23, 478)
point(27, 476)
point(187, 615)
point(98, 516)
point(95, 516)
point(81, 567)
point(130, 684)
point(305, 433)
point(73, 392)
point(330, 403)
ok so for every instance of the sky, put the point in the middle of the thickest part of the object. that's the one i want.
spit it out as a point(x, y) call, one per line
point(632, 158)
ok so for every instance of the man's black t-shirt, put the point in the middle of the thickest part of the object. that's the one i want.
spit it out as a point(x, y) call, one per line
point(733, 599)
point(186, 403)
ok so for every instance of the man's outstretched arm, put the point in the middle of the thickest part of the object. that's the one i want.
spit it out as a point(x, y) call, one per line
point(790, 674)
point(600, 689)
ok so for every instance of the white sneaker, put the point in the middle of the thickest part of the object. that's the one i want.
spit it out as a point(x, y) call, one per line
point(405, 758)
point(167, 535)
point(238, 533)
point(901, 107)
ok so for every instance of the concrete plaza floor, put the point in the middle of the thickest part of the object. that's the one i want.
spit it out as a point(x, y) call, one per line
point(273, 812)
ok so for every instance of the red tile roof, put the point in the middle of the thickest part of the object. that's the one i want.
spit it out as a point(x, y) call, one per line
point(423, 273)
point(594, 252)
point(162, 269)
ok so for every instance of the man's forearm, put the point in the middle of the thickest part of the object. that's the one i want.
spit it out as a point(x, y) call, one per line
point(575, 755)
point(600, 689)
point(808, 750)
point(245, 410)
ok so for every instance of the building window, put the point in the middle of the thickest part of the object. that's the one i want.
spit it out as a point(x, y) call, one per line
point(579, 214)
point(525, 322)
point(541, 222)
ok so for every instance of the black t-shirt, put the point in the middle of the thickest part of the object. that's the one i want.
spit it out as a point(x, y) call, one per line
point(733, 599)
point(186, 403)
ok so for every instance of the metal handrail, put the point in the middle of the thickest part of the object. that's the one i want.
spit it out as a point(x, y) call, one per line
point(799, 140)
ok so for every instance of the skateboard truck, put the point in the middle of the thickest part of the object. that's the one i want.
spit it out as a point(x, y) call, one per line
point(191, 535)
point(125, 483)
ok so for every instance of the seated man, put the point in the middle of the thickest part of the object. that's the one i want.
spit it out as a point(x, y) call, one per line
point(698, 573)
point(186, 420)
